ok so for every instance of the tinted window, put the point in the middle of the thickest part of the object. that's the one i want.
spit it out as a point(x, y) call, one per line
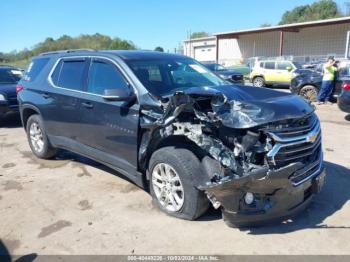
point(69, 74)
point(344, 70)
point(283, 65)
point(103, 76)
point(35, 68)
point(270, 65)
point(10, 76)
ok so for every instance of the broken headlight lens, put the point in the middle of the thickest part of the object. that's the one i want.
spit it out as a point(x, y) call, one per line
point(243, 115)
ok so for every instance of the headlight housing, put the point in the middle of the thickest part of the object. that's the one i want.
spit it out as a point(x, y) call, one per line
point(2, 97)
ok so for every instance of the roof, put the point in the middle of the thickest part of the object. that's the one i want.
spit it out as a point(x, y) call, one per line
point(123, 54)
point(207, 38)
point(294, 26)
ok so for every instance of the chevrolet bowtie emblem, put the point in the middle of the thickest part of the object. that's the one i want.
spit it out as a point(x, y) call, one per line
point(312, 138)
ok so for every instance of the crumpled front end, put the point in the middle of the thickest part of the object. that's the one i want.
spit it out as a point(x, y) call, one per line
point(260, 167)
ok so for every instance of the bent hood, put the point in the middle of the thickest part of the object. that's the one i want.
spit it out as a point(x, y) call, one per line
point(247, 106)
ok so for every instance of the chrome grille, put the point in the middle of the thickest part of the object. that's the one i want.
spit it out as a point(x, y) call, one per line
point(299, 141)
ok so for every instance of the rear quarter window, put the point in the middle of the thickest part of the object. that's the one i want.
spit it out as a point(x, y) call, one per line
point(34, 68)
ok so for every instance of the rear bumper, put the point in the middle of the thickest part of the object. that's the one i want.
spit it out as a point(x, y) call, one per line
point(344, 101)
point(275, 196)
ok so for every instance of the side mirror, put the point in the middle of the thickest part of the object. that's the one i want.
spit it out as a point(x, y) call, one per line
point(289, 68)
point(118, 94)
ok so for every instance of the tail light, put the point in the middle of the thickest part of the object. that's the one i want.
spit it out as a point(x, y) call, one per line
point(19, 88)
point(346, 86)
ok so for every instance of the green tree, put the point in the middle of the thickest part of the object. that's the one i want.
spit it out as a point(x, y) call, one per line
point(265, 25)
point(323, 9)
point(159, 49)
point(199, 34)
point(96, 41)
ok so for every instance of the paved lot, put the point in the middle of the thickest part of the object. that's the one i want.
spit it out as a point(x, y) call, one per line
point(75, 206)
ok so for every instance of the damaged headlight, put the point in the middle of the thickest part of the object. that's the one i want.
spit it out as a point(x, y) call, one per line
point(243, 115)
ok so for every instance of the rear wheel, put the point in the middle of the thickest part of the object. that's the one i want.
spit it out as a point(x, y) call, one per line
point(309, 92)
point(258, 81)
point(172, 172)
point(37, 138)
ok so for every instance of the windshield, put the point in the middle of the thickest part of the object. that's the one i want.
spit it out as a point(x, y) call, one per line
point(10, 76)
point(163, 77)
point(297, 65)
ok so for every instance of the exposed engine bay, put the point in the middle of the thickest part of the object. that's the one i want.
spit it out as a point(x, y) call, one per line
point(256, 154)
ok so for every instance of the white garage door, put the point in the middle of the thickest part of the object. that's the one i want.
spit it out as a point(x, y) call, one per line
point(205, 53)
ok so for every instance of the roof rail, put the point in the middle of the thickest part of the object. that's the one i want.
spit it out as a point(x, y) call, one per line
point(66, 51)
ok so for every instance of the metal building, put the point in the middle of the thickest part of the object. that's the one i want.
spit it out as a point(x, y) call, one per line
point(308, 40)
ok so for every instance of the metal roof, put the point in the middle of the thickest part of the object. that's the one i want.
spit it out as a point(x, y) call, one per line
point(287, 27)
point(207, 38)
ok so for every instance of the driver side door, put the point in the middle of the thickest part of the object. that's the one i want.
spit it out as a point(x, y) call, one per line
point(108, 128)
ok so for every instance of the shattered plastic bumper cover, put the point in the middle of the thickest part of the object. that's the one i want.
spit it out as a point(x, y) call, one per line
point(276, 197)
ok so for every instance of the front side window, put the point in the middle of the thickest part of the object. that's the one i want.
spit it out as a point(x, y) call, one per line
point(10, 76)
point(283, 65)
point(69, 74)
point(174, 74)
point(269, 65)
point(104, 76)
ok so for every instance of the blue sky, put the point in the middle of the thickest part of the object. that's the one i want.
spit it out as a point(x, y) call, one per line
point(148, 23)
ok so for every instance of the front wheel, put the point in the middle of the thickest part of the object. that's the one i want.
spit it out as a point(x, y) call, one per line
point(258, 81)
point(172, 175)
point(309, 92)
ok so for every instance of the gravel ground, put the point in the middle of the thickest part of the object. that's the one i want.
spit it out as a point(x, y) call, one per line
point(73, 205)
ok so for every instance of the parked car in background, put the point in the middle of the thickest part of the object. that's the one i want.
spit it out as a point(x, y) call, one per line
point(343, 87)
point(271, 72)
point(172, 126)
point(9, 77)
point(226, 74)
point(307, 83)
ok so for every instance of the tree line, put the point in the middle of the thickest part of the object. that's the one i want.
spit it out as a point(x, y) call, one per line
point(96, 41)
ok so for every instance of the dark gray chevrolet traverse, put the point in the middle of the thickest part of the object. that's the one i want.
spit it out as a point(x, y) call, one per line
point(175, 128)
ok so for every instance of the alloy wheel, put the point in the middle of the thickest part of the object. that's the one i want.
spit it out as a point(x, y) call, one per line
point(167, 187)
point(36, 137)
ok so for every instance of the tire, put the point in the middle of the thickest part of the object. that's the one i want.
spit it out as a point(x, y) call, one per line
point(186, 166)
point(258, 81)
point(309, 92)
point(37, 138)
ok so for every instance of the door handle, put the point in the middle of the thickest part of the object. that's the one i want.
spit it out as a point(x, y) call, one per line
point(87, 105)
point(46, 95)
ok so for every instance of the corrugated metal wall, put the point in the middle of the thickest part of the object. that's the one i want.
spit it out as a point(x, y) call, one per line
point(314, 41)
point(323, 40)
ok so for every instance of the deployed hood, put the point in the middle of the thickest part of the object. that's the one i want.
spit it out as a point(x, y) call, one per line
point(245, 106)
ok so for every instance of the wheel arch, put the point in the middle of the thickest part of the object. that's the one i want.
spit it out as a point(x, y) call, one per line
point(26, 112)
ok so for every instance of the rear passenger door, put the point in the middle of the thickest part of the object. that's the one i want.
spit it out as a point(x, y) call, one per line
point(109, 128)
point(62, 111)
point(269, 72)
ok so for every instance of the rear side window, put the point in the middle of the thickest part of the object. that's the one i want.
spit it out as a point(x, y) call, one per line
point(69, 74)
point(269, 65)
point(104, 76)
point(34, 68)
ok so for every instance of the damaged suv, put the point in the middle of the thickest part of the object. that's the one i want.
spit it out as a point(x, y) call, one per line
point(171, 126)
